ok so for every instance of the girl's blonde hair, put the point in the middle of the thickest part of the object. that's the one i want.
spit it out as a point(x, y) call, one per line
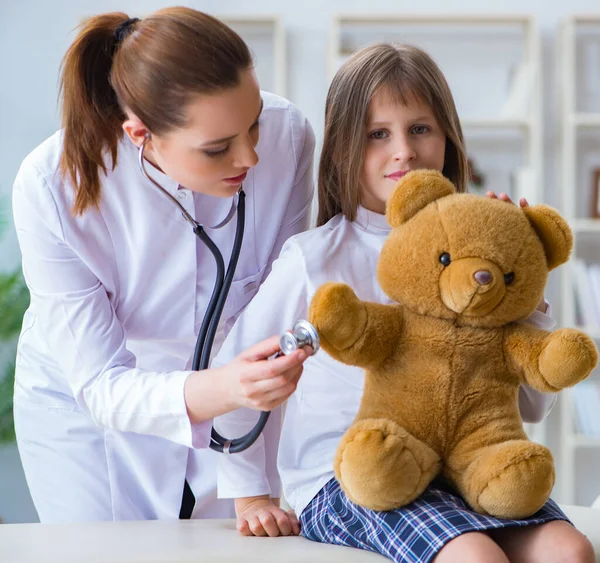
point(406, 71)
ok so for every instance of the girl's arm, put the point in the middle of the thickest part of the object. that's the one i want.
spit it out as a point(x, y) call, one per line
point(535, 405)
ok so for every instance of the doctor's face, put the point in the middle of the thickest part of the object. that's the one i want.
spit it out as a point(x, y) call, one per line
point(400, 137)
point(216, 148)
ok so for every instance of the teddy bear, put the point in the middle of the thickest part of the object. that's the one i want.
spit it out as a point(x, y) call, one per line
point(443, 363)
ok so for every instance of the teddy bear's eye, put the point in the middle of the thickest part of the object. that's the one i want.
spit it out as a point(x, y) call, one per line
point(445, 259)
point(509, 278)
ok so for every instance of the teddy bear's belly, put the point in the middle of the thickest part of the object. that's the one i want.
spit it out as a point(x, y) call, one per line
point(443, 394)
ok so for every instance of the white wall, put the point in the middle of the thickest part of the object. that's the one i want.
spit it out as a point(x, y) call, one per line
point(34, 35)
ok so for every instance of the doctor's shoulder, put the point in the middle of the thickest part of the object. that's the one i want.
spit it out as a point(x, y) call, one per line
point(282, 125)
point(39, 173)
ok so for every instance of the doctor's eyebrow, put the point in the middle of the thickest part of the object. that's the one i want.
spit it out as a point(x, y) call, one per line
point(225, 139)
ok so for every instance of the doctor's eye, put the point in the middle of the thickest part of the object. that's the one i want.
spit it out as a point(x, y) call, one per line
point(509, 278)
point(215, 153)
point(445, 259)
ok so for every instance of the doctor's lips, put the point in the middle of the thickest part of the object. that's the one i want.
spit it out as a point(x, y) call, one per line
point(236, 180)
point(396, 175)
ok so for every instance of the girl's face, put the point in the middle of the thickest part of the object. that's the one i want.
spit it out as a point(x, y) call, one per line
point(400, 138)
point(215, 149)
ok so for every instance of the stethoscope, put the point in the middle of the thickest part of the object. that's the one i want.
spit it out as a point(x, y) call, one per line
point(302, 334)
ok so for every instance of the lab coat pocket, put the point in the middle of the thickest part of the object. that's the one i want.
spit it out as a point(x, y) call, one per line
point(241, 293)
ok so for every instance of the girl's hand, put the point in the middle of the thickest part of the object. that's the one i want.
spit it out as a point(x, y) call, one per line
point(504, 197)
point(250, 380)
point(261, 516)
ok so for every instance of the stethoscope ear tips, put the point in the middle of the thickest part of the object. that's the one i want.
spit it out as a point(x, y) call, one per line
point(303, 334)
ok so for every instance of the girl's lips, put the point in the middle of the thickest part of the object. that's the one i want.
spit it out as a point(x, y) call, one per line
point(397, 175)
point(236, 179)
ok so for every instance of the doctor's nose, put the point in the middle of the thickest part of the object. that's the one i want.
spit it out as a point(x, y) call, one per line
point(245, 156)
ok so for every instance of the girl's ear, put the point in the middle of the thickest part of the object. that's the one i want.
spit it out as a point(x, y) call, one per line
point(414, 191)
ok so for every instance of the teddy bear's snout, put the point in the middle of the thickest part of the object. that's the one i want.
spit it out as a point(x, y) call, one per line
point(483, 277)
point(472, 286)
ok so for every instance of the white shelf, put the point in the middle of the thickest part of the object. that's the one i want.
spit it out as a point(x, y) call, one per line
point(584, 120)
point(583, 441)
point(451, 19)
point(574, 124)
point(265, 37)
point(585, 226)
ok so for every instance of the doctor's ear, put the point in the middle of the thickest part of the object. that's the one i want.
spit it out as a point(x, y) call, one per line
point(136, 130)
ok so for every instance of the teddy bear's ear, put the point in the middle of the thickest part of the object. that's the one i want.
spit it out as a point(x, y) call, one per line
point(414, 191)
point(553, 231)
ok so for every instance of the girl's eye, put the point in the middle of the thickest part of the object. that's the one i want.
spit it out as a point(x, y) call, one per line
point(380, 134)
point(215, 153)
point(419, 129)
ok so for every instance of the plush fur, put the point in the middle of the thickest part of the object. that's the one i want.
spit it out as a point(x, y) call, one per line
point(444, 364)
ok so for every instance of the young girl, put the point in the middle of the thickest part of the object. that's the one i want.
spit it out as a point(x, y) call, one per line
point(389, 110)
point(112, 422)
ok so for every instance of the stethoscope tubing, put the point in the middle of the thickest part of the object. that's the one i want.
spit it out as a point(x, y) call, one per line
point(210, 322)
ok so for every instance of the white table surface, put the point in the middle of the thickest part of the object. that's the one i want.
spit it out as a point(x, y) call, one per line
point(197, 541)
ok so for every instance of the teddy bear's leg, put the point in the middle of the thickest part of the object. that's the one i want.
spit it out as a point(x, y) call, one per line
point(512, 479)
point(381, 466)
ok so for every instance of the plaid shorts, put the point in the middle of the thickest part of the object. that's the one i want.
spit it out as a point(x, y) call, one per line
point(412, 534)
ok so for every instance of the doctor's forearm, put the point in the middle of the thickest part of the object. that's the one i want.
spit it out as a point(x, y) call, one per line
point(207, 395)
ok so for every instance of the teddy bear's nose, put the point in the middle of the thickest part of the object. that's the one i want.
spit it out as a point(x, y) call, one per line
point(483, 277)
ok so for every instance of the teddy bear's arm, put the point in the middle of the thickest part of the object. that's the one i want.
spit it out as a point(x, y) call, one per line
point(352, 331)
point(550, 361)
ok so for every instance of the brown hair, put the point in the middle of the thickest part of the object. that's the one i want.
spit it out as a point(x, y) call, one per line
point(407, 71)
point(152, 67)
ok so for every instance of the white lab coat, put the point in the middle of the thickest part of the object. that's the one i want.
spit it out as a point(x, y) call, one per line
point(328, 395)
point(117, 298)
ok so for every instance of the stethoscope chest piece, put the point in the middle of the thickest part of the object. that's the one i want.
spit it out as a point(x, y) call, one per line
point(302, 334)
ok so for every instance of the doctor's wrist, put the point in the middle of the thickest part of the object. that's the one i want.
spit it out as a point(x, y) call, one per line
point(207, 395)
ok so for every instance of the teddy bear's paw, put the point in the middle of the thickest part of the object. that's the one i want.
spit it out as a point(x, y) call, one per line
point(568, 357)
point(520, 479)
point(338, 315)
point(381, 466)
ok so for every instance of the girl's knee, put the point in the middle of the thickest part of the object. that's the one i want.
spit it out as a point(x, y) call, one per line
point(471, 547)
point(563, 542)
point(577, 549)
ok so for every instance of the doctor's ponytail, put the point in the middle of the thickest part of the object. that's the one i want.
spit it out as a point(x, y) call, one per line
point(150, 67)
point(91, 116)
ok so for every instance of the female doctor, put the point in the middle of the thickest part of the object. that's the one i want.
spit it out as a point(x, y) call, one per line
point(110, 419)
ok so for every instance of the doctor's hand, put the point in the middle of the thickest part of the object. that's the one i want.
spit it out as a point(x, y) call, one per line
point(261, 516)
point(251, 380)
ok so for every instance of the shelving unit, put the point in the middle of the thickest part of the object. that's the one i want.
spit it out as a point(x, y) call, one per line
point(265, 36)
point(579, 80)
point(501, 115)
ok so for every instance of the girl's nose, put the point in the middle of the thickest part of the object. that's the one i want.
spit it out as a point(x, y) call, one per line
point(404, 151)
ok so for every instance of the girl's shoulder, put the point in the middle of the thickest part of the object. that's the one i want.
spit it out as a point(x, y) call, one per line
point(322, 245)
